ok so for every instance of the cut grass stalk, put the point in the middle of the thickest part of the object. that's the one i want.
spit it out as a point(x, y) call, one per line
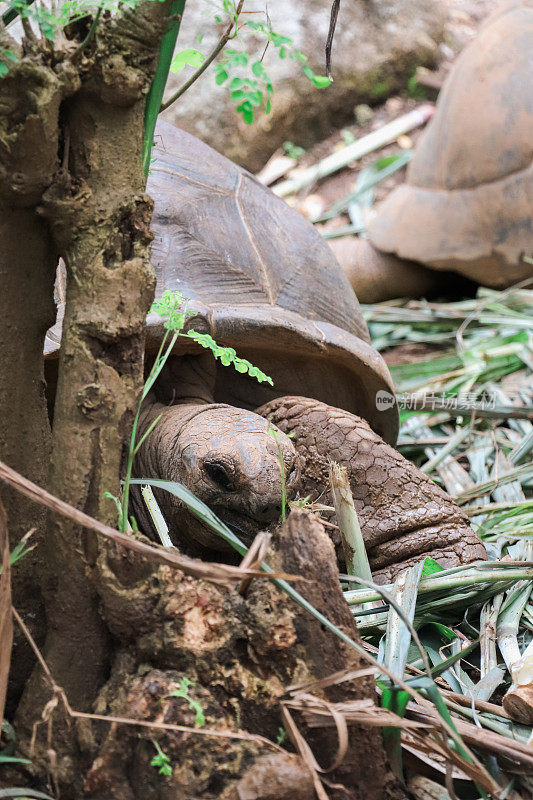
point(395, 652)
point(518, 701)
point(356, 150)
point(447, 581)
point(156, 516)
point(383, 168)
point(487, 623)
point(353, 544)
point(453, 442)
point(521, 474)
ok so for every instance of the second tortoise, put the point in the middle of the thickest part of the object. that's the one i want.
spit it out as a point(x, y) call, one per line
point(465, 209)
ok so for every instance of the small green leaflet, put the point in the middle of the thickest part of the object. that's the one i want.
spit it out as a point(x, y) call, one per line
point(191, 57)
point(194, 705)
point(7, 55)
point(227, 356)
point(221, 75)
point(161, 761)
point(321, 81)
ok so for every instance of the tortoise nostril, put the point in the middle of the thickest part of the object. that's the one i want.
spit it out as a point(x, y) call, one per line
point(221, 474)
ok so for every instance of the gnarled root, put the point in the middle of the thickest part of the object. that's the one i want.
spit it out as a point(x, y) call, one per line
point(403, 514)
point(240, 654)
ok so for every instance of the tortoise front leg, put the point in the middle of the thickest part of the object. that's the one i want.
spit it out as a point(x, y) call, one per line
point(404, 515)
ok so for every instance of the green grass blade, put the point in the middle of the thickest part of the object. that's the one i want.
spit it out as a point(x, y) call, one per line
point(157, 89)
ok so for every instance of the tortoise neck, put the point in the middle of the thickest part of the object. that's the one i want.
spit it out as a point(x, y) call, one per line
point(187, 380)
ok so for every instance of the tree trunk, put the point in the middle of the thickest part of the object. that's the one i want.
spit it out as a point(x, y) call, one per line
point(99, 216)
point(28, 153)
point(103, 230)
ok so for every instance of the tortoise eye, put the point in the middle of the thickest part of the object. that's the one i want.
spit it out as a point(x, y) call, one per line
point(221, 474)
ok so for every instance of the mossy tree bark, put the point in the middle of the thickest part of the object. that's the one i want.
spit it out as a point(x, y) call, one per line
point(100, 217)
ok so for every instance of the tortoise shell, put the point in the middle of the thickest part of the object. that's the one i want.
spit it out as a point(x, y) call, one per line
point(466, 205)
point(261, 280)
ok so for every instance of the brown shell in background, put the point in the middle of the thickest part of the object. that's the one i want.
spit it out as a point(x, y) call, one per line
point(261, 280)
point(467, 203)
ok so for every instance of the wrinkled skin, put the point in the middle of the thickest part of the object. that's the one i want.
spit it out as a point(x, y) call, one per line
point(228, 457)
point(230, 460)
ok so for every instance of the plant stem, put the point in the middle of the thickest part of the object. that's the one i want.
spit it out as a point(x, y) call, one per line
point(154, 372)
point(226, 36)
point(26, 27)
point(157, 89)
point(90, 34)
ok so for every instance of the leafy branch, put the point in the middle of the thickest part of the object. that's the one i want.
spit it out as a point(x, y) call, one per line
point(248, 91)
point(230, 33)
point(252, 92)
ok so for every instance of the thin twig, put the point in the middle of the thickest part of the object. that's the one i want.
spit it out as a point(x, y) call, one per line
point(329, 43)
point(226, 36)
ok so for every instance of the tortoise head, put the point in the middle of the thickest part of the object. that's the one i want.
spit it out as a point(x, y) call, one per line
point(228, 457)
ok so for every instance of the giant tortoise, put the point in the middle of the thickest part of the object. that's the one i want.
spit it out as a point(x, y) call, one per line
point(466, 206)
point(261, 280)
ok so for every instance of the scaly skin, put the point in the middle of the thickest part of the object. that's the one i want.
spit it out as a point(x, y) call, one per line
point(404, 516)
point(227, 457)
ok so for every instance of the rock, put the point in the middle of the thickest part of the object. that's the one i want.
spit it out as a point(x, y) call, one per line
point(378, 44)
point(363, 114)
